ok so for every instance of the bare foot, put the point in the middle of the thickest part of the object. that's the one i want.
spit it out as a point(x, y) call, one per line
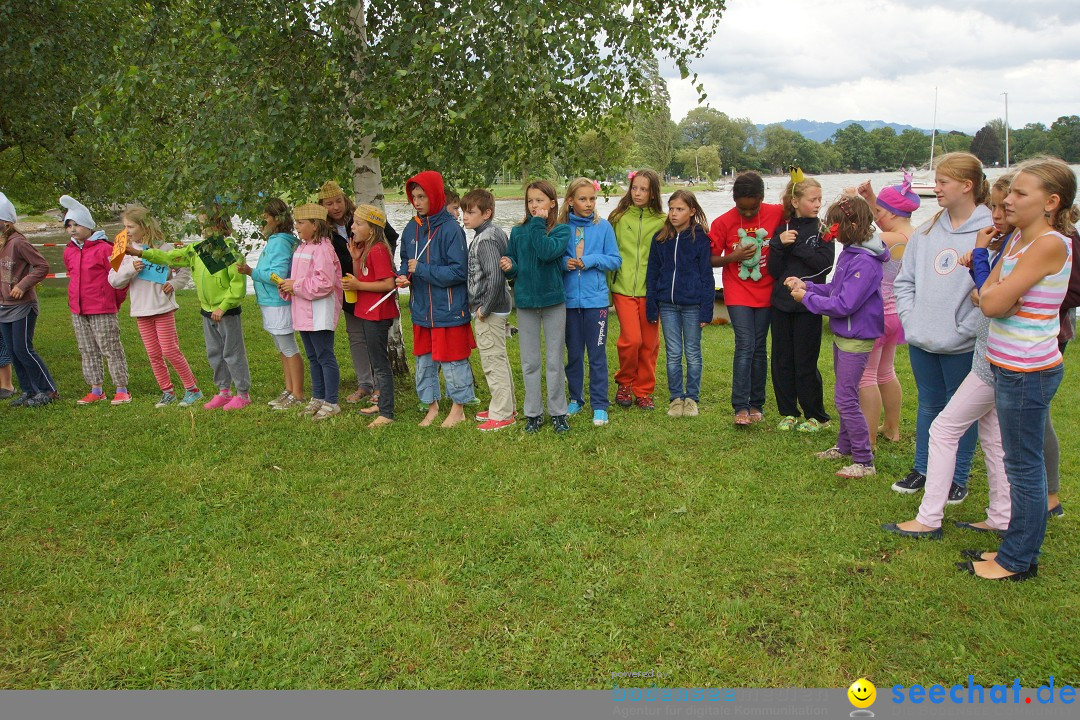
point(890, 436)
point(989, 556)
point(914, 526)
point(457, 414)
point(380, 422)
point(432, 413)
point(990, 569)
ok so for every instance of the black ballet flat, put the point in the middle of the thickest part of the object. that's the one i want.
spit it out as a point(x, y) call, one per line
point(977, 555)
point(1031, 572)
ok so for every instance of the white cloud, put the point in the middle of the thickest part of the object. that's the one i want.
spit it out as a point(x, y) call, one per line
point(881, 59)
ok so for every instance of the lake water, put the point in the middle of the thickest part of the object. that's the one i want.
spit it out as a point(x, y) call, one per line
point(510, 212)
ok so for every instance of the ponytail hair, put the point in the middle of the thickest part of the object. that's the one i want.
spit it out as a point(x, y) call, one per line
point(627, 200)
point(1058, 179)
point(853, 218)
point(280, 213)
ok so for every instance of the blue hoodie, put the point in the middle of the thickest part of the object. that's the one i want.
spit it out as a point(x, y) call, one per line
point(439, 293)
point(852, 300)
point(680, 272)
point(588, 288)
point(276, 258)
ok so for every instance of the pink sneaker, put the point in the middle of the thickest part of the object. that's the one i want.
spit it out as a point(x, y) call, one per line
point(483, 416)
point(493, 425)
point(90, 398)
point(237, 402)
point(218, 401)
point(121, 398)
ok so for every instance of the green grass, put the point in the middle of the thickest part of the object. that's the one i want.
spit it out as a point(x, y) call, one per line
point(148, 548)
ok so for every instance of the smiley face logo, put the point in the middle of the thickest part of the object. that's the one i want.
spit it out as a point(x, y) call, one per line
point(862, 693)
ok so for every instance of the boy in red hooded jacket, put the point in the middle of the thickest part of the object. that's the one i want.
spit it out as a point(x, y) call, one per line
point(435, 263)
point(94, 303)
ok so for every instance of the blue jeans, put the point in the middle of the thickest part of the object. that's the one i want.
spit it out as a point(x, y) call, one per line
point(1023, 402)
point(750, 364)
point(322, 364)
point(682, 337)
point(459, 380)
point(937, 377)
point(30, 369)
point(586, 333)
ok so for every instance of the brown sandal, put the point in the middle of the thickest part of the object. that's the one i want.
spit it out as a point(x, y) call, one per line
point(742, 417)
point(756, 416)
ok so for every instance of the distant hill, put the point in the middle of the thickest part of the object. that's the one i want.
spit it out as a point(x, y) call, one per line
point(821, 131)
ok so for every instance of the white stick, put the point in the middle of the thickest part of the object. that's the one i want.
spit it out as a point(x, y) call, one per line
point(385, 297)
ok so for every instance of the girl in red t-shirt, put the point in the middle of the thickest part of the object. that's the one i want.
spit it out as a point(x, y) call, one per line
point(372, 277)
point(748, 301)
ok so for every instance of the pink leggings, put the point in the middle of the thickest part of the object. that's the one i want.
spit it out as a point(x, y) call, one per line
point(159, 336)
point(972, 402)
point(879, 368)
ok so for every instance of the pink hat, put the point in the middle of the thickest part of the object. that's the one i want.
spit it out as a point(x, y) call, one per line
point(899, 199)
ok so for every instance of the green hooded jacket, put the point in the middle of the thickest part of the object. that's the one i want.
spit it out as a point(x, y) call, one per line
point(633, 234)
point(224, 289)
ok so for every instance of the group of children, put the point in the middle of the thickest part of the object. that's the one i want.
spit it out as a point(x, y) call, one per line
point(983, 348)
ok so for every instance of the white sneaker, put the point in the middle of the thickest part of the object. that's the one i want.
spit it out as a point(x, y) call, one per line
point(689, 407)
point(327, 410)
point(312, 407)
point(676, 408)
point(277, 401)
point(856, 471)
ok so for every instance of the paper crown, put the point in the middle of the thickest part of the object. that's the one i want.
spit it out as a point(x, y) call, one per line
point(796, 174)
point(309, 211)
point(331, 190)
point(371, 214)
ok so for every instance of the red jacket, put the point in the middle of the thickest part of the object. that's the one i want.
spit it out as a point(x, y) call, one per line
point(89, 291)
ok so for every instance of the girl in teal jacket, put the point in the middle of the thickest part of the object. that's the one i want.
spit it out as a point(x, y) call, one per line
point(275, 262)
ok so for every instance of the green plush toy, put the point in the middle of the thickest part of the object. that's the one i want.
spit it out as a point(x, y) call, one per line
point(751, 266)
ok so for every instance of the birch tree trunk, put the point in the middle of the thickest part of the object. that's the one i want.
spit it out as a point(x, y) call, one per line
point(368, 186)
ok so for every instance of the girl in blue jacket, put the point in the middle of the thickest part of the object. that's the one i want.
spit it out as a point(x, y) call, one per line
point(276, 261)
point(679, 291)
point(590, 254)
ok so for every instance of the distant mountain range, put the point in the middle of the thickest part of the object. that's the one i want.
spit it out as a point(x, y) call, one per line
point(821, 131)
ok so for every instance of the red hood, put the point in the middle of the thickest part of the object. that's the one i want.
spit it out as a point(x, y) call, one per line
point(431, 183)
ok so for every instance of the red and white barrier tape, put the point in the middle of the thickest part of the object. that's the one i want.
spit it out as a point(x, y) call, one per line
point(57, 276)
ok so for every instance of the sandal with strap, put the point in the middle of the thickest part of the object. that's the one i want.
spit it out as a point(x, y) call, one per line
point(742, 418)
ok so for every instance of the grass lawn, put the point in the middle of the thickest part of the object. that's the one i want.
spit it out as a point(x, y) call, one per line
point(147, 548)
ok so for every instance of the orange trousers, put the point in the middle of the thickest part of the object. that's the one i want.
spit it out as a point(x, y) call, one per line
point(638, 345)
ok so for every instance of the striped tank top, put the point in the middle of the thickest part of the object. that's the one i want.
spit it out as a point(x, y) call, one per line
point(1027, 341)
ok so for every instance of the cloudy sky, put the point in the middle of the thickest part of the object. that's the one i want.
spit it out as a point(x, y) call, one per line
point(773, 60)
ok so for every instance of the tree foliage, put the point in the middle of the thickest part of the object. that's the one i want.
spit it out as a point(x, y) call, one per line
point(201, 98)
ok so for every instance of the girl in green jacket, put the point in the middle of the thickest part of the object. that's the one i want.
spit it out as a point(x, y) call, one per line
point(636, 219)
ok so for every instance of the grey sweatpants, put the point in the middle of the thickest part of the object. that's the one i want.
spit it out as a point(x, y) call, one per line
point(553, 321)
point(354, 326)
point(226, 352)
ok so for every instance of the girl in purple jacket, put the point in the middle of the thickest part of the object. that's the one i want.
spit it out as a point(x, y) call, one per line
point(856, 313)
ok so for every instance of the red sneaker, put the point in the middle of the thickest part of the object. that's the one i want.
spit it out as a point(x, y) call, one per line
point(645, 402)
point(121, 398)
point(624, 396)
point(492, 425)
point(90, 398)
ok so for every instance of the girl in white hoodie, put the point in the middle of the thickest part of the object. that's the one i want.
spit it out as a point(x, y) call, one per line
point(154, 306)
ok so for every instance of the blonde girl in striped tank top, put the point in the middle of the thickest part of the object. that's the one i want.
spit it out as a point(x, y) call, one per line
point(1022, 296)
